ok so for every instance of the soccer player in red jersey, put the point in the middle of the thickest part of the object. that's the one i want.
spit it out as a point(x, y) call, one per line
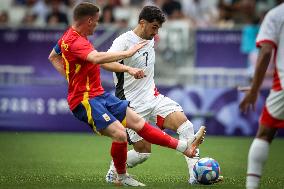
point(88, 101)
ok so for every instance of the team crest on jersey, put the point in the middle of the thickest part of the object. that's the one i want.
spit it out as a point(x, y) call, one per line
point(64, 46)
point(106, 117)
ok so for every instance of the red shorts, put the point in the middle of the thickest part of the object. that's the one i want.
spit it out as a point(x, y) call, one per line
point(267, 120)
point(273, 113)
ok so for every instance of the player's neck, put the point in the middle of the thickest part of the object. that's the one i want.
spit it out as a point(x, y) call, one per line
point(138, 32)
point(80, 30)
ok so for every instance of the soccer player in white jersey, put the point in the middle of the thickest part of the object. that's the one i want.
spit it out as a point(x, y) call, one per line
point(270, 40)
point(142, 94)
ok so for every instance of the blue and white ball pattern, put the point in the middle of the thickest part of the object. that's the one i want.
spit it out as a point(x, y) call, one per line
point(206, 170)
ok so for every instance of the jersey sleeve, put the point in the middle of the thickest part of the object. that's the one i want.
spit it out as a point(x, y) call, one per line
point(269, 30)
point(81, 48)
point(119, 44)
point(57, 49)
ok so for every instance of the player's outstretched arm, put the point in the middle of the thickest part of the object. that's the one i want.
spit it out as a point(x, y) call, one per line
point(57, 62)
point(117, 67)
point(263, 60)
point(107, 57)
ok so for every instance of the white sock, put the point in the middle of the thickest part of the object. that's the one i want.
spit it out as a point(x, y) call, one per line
point(190, 163)
point(257, 156)
point(134, 158)
point(182, 146)
point(186, 131)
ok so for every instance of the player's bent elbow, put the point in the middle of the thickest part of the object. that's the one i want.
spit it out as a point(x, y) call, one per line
point(51, 58)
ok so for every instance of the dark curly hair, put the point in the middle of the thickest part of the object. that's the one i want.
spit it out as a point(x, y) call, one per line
point(151, 14)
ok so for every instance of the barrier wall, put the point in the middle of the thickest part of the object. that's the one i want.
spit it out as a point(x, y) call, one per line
point(32, 93)
point(219, 48)
point(44, 108)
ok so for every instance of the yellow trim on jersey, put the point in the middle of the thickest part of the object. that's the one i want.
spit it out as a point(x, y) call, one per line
point(88, 108)
point(67, 69)
point(78, 67)
point(86, 93)
point(76, 32)
point(124, 122)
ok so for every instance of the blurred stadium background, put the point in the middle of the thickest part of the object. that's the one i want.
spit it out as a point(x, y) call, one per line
point(204, 51)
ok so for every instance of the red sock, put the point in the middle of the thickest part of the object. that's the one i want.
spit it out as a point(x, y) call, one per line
point(156, 136)
point(119, 156)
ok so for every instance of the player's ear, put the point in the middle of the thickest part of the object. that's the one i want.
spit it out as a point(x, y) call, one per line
point(89, 20)
point(142, 21)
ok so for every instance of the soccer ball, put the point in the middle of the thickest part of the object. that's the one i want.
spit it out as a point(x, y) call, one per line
point(206, 170)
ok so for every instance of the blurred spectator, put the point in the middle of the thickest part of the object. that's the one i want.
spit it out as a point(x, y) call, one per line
point(107, 16)
point(114, 3)
point(173, 9)
point(136, 2)
point(201, 12)
point(4, 18)
point(29, 19)
point(71, 3)
point(103, 3)
point(158, 3)
point(242, 11)
point(40, 8)
point(225, 16)
point(56, 16)
point(20, 2)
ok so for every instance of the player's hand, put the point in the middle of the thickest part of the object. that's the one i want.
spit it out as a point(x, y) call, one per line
point(136, 47)
point(136, 73)
point(248, 101)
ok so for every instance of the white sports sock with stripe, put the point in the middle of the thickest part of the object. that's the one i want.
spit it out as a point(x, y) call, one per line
point(186, 131)
point(257, 156)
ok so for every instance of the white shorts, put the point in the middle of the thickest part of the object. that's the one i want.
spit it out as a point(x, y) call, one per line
point(155, 112)
point(273, 112)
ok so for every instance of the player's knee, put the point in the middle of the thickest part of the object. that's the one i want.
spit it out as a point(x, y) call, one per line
point(266, 134)
point(142, 146)
point(120, 136)
point(139, 121)
point(136, 123)
point(174, 120)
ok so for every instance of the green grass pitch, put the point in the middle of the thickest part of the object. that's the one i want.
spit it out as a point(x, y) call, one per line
point(66, 160)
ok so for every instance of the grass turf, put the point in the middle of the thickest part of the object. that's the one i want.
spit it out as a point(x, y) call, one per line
point(66, 160)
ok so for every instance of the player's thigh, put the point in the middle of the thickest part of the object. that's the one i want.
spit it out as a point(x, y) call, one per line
point(273, 113)
point(139, 144)
point(116, 131)
point(134, 121)
point(117, 107)
point(94, 113)
point(168, 113)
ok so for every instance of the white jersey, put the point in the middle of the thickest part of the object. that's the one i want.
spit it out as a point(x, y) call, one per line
point(142, 93)
point(127, 87)
point(272, 31)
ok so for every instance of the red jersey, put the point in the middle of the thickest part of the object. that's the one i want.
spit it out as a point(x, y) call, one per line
point(83, 77)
